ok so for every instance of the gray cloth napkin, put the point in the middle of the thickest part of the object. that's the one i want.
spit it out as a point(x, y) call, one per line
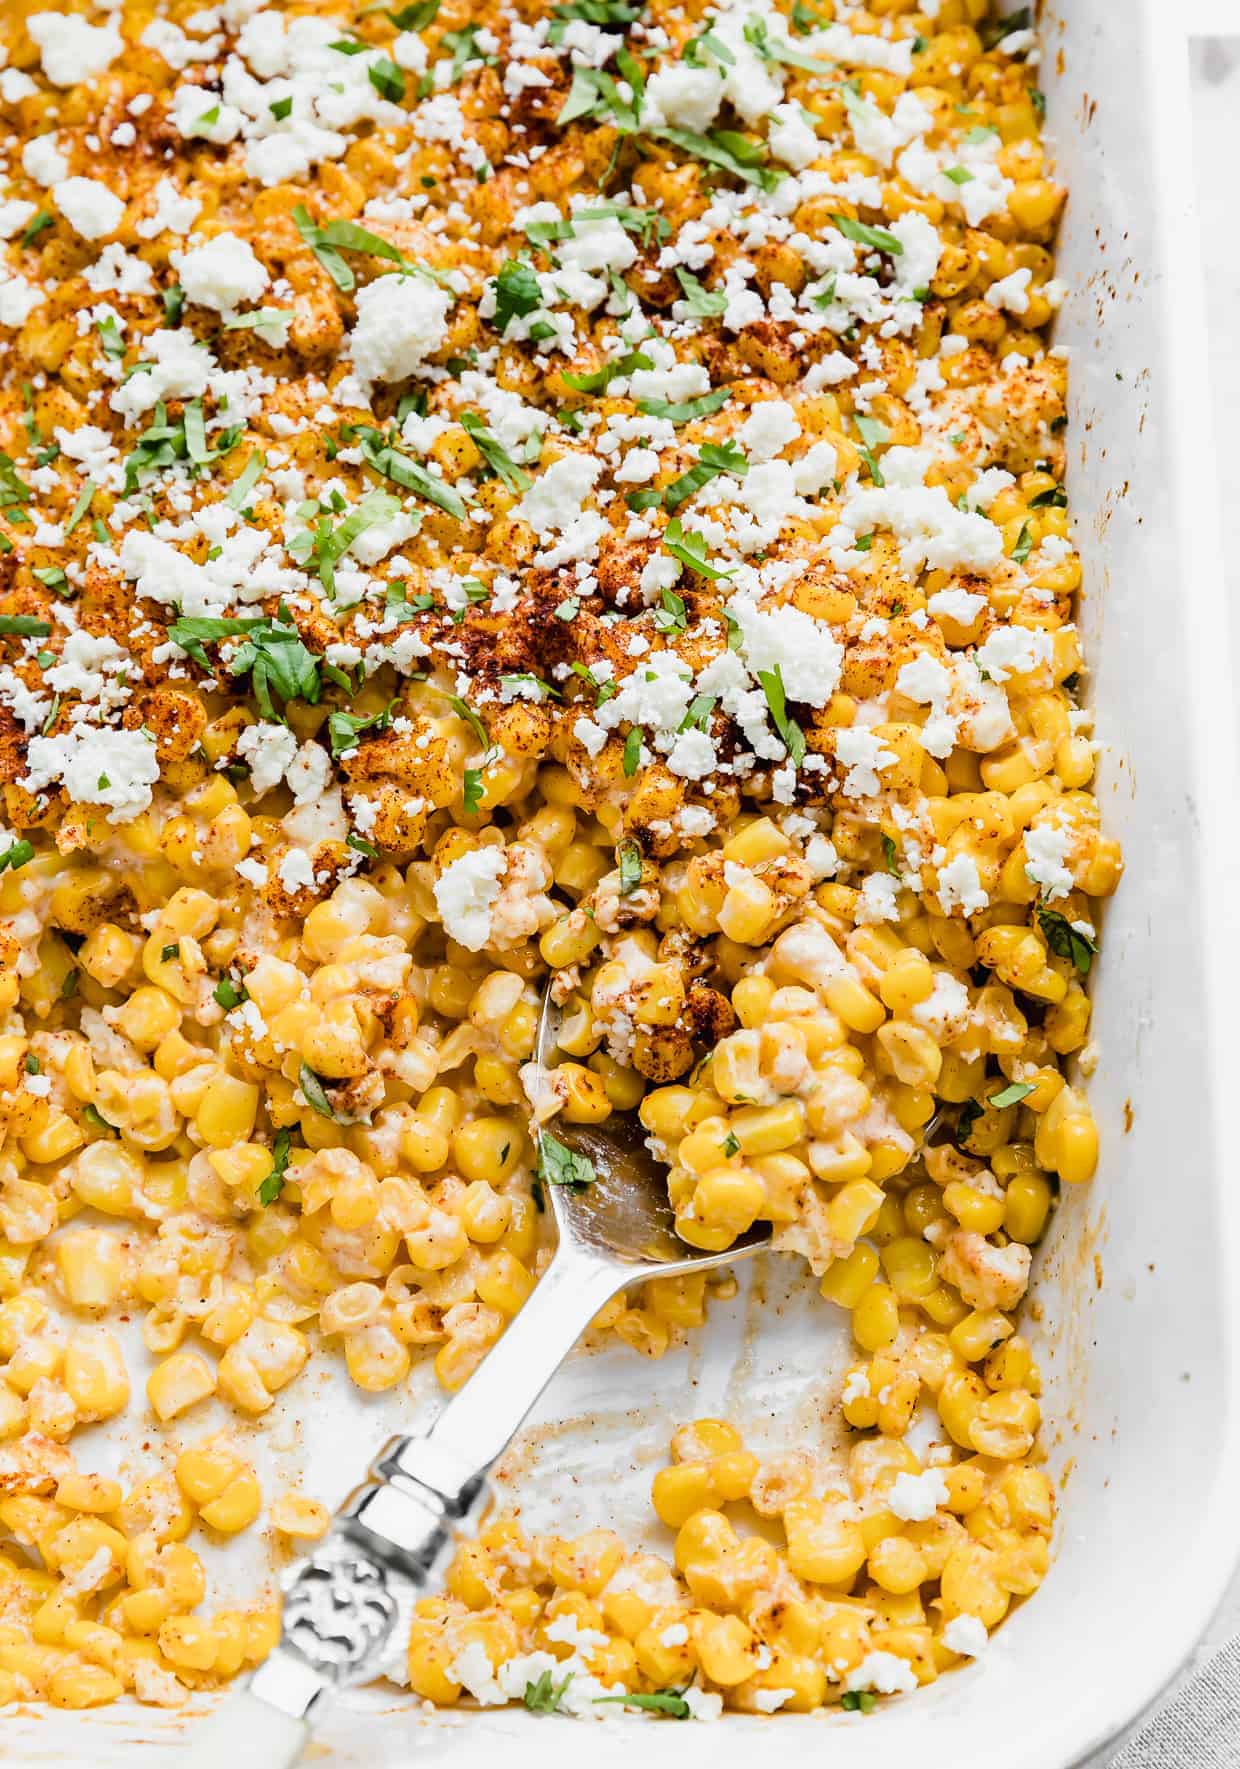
point(1199, 1728)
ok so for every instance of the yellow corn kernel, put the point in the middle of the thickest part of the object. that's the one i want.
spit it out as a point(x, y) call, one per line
point(678, 1492)
point(91, 1265)
point(301, 1518)
point(846, 1280)
point(876, 1318)
point(979, 1333)
point(189, 1642)
point(94, 1374)
point(909, 1264)
point(82, 1686)
point(859, 1010)
point(109, 954)
point(763, 1130)
point(179, 1383)
point(853, 1210)
point(376, 1359)
point(227, 1111)
point(148, 1016)
point(824, 1545)
point(1027, 1204)
point(488, 1148)
point(751, 998)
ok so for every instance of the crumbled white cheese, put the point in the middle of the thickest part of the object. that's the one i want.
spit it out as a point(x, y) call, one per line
point(915, 1497)
point(966, 1635)
point(884, 1672)
point(72, 50)
point(1046, 848)
point(89, 207)
point(96, 766)
point(223, 274)
point(44, 161)
point(465, 893)
point(401, 321)
point(960, 887)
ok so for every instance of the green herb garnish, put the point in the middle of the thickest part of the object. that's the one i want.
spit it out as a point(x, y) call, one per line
point(630, 858)
point(271, 1187)
point(1011, 1095)
point(315, 1092)
point(560, 1165)
point(1066, 940)
point(790, 732)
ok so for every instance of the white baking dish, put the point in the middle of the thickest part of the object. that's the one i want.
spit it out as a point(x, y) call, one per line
point(1139, 1335)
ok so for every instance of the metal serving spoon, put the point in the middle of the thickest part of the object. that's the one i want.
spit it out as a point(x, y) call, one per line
point(391, 1540)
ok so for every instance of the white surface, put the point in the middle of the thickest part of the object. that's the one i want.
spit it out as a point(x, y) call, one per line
point(244, 1733)
point(1142, 1369)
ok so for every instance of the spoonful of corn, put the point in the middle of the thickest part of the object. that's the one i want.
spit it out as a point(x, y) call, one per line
point(392, 1539)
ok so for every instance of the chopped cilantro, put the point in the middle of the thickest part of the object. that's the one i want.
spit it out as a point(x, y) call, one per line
point(16, 855)
point(560, 1165)
point(790, 732)
point(516, 293)
point(271, 1187)
point(173, 299)
point(690, 549)
point(387, 79)
point(382, 454)
point(685, 411)
point(862, 234)
point(270, 324)
point(726, 149)
point(247, 479)
point(598, 380)
point(344, 728)
point(463, 49)
point(1067, 940)
point(664, 1701)
point(81, 505)
point(630, 857)
point(272, 654)
point(1011, 1095)
point(332, 238)
point(714, 458)
point(701, 302)
point(495, 454)
point(873, 435)
point(758, 36)
point(543, 1696)
point(415, 17)
point(327, 543)
point(315, 1092)
point(34, 227)
point(671, 616)
point(110, 336)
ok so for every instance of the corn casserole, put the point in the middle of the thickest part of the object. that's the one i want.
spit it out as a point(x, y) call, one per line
point(565, 490)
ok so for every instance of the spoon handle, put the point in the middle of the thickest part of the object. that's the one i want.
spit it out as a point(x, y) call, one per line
point(395, 1533)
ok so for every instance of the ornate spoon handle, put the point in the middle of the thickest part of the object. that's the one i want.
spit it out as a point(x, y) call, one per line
point(396, 1532)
